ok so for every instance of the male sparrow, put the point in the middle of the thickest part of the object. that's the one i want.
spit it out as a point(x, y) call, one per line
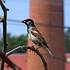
point(35, 35)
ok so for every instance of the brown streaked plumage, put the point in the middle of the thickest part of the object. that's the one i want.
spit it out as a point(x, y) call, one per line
point(35, 35)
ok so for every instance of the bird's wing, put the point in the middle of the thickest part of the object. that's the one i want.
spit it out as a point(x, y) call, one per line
point(38, 35)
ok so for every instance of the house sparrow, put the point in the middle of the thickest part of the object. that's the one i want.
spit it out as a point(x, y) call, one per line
point(35, 35)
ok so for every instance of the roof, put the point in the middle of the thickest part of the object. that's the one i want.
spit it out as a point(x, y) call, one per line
point(68, 61)
point(21, 61)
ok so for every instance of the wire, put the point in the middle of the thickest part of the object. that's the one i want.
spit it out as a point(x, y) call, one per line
point(43, 24)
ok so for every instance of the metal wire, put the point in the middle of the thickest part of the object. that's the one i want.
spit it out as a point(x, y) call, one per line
point(43, 24)
point(31, 48)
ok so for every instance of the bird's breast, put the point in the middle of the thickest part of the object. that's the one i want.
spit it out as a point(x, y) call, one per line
point(34, 39)
point(30, 36)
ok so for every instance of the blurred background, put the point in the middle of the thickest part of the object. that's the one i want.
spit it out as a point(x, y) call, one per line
point(18, 11)
point(17, 32)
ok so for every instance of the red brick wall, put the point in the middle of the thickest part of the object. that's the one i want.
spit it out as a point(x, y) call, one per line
point(45, 12)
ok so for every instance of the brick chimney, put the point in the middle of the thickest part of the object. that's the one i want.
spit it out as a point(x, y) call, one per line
point(48, 17)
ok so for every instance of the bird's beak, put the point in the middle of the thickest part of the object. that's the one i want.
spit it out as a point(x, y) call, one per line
point(24, 22)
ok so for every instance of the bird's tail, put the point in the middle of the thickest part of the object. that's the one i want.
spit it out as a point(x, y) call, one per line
point(50, 52)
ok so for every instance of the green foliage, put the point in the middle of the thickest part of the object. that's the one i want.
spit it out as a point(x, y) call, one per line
point(14, 41)
point(67, 41)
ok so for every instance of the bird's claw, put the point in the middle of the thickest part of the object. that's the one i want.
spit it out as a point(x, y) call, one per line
point(38, 48)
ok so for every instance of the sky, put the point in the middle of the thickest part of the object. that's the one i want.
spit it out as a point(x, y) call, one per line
point(67, 12)
point(19, 10)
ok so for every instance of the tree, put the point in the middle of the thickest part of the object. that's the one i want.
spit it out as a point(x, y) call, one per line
point(14, 41)
point(67, 40)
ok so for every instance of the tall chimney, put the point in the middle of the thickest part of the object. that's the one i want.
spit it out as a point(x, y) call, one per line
point(48, 17)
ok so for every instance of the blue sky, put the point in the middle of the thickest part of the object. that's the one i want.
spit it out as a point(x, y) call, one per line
point(19, 10)
point(67, 12)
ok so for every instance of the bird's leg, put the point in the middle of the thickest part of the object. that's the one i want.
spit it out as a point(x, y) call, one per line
point(32, 46)
point(38, 48)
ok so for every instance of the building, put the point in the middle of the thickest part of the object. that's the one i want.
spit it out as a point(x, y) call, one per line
point(48, 16)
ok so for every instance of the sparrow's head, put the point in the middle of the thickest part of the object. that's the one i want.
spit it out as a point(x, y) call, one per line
point(29, 22)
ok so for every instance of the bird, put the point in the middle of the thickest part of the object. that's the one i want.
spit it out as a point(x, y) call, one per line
point(35, 35)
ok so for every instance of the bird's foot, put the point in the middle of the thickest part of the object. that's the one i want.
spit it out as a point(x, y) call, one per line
point(32, 46)
point(38, 48)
